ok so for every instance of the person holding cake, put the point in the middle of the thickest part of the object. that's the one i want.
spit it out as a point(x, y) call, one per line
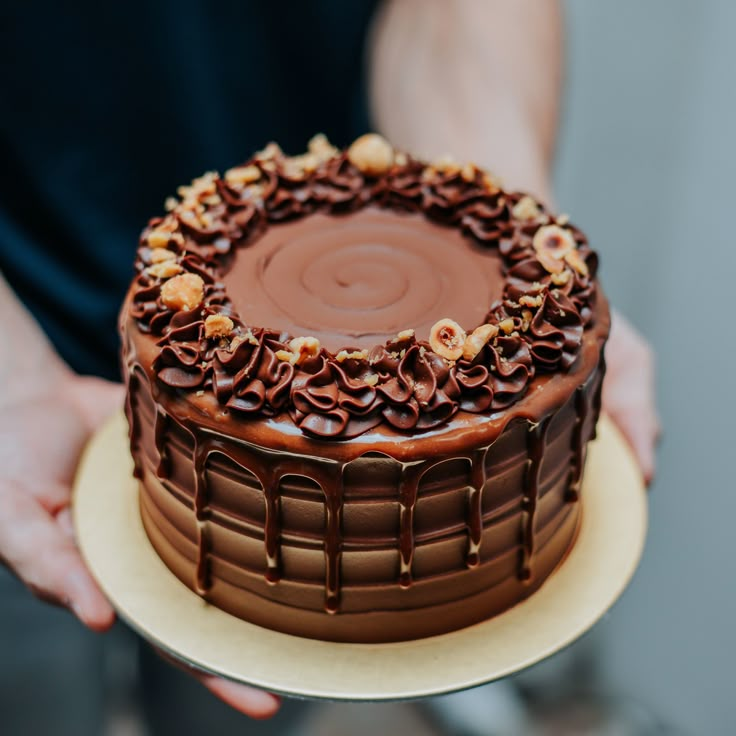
point(438, 77)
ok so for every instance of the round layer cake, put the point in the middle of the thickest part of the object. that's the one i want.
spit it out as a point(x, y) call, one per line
point(360, 389)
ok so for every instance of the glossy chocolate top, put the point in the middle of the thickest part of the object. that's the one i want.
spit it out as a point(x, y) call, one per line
point(351, 289)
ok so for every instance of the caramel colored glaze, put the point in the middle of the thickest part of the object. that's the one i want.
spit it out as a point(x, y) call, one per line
point(382, 537)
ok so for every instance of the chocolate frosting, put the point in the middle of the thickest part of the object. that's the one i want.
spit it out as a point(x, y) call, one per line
point(401, 382)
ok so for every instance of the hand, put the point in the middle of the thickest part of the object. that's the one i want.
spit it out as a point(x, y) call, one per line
point(628, 391)
point(44, 424)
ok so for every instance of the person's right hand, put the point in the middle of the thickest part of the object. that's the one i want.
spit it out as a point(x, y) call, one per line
point(47, 414)
point(43, 428)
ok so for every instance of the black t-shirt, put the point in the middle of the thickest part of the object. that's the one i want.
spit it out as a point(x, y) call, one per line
point(105, 108)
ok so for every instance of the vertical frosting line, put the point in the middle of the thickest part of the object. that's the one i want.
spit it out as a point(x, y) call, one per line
point(332, 487)
point(578, 445)
point(271, 481)
point(536, 439)
point(411, 474)
point(597, 399)
point(134, 430)
point(160, 430)
point(202, 450)
point(475, 506)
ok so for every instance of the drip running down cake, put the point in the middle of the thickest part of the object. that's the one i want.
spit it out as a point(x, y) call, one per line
point(360, 389)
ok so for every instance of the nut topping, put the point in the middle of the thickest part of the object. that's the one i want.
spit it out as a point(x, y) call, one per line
point(531, 301)
point(553, 244)
point(321, 148)
point(285, 355)
point(477, 339)
point(304, 348)
point(164, 269)
point(270, 152)
point(506, 325)
point(243, 175)
point(468, 172)
point(158, 238)
point(372, 154)
point(445, 164)
point(344, 355)
point(218, 325)
point(371, 380)
point(553, 240)
point(159, 255)
point(561, 278)
point(447, 339)
point(574, 259)
point(183, 293)
point(526, 209)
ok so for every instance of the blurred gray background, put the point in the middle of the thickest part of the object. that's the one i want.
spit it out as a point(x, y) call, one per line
point(647, 165)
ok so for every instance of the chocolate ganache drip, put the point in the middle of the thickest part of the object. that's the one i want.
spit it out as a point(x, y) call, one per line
point(204, 344)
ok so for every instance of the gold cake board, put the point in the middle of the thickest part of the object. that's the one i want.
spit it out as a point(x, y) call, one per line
point(171, 617)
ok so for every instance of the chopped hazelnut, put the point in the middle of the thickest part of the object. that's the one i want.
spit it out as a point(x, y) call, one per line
point(477, 339)
point(159, 255)
point(242, 175)
point(183, 292)
point(304, 348)
point(491, 183)
point(164, 269)
point(158, 238)
point(371, 380)
point(218, 325)
point(344, 355)
point(372, 154)
point(285, 355)
point(574, 259)
point(526, 319)
point(401, 159)
point(297, 167)
point(447, 339)
point(506, 325)
point(170, 204)
point(553, 240)
point(550, 263)
point(200, 187)
point(320, 147)
point(446, 164)
point(561, 278)
point(271, 151)
point(468, 173)
point(562, 219)
point(553, 244)
point(405, 335)
point(212, 200)
point(531, 301)
point(526, 209)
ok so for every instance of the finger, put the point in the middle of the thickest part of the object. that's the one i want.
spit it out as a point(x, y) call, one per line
point(43, 556)
point(640, 432)
point(65, 523)
point(248, 700)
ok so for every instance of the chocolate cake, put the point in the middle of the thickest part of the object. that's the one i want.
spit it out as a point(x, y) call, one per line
point(360, 389)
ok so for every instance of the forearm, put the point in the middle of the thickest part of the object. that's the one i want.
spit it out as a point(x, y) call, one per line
point(479, 79)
